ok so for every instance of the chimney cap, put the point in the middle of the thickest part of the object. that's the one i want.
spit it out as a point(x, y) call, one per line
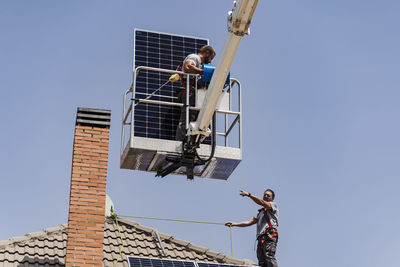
point(93, 117)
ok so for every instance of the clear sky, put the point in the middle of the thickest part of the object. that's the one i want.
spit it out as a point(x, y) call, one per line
point(321, 122)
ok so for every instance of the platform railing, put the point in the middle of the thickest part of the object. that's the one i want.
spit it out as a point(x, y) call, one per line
point(129, 109)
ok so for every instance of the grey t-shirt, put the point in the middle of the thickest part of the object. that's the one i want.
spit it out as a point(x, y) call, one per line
point(192, 57)
point(262, 222)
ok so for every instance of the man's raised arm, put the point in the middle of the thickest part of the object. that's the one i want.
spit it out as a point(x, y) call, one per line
point(256, 199)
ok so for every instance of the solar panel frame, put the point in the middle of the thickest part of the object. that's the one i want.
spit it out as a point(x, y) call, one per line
point(166, 51)
point(157, 262)
point(134, 261)
point(213, 264)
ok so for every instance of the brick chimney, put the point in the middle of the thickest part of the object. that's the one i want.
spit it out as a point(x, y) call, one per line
point(88, 188)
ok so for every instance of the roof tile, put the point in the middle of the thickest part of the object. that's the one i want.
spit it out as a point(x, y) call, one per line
point(47, 247)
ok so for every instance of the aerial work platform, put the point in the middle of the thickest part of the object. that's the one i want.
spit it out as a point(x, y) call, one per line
point(152, 110)
point(147, 141)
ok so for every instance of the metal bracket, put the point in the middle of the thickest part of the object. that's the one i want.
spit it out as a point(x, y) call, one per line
point(188, 160)
point(161, 245)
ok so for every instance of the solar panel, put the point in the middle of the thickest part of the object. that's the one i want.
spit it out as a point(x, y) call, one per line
point(153, 262)
point(166, 51)
point(210, 264)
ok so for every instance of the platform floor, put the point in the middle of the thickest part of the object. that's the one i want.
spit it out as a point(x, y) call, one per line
point(148, 154)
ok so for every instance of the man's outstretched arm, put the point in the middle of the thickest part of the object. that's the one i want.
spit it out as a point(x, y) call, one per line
point(256, 199)
point(241, 224)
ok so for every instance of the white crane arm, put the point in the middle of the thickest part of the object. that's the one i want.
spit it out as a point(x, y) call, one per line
point(239, 20)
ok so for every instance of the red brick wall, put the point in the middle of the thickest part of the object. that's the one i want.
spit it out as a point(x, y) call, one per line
point(87, 197)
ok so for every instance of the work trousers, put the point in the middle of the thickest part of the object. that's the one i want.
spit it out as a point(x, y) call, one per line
point(181, 129)
point(266, 249)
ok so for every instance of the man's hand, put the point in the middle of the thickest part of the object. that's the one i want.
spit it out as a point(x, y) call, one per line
point(244, 193)
point(256, 199)
point(190, 67)
point(229, 224)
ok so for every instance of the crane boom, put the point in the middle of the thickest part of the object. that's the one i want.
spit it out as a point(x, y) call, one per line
point(239, 20)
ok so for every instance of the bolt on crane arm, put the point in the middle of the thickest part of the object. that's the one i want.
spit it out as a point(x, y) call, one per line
point(239, 20)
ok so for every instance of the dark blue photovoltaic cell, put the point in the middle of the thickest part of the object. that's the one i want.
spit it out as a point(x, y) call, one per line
point(166, 51)
point(206, 264)
point(148, 262)
point(152, 262)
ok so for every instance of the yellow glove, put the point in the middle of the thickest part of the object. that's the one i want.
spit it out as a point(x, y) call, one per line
point(174, 78)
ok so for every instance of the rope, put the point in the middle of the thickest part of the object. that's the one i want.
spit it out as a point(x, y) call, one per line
point(230, 230)
point(115, 216)
point(153, 92)
point(172, 79)
point(171, 220)
point(120, 236)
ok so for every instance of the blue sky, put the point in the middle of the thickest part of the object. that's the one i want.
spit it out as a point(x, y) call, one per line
point(321, 121)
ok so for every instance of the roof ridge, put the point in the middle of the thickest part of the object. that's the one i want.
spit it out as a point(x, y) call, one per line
point(33, 235)
point(181, 242)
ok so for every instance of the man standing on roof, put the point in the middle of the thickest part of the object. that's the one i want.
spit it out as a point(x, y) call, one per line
point(267, 223)
point(192, 64)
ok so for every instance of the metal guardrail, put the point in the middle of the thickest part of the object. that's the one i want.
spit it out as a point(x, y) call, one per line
point(129, 110)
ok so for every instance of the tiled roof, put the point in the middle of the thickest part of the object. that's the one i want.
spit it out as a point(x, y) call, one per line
point(47, 248)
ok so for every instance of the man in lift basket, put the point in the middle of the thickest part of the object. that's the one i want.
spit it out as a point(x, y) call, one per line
point(192, 64)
